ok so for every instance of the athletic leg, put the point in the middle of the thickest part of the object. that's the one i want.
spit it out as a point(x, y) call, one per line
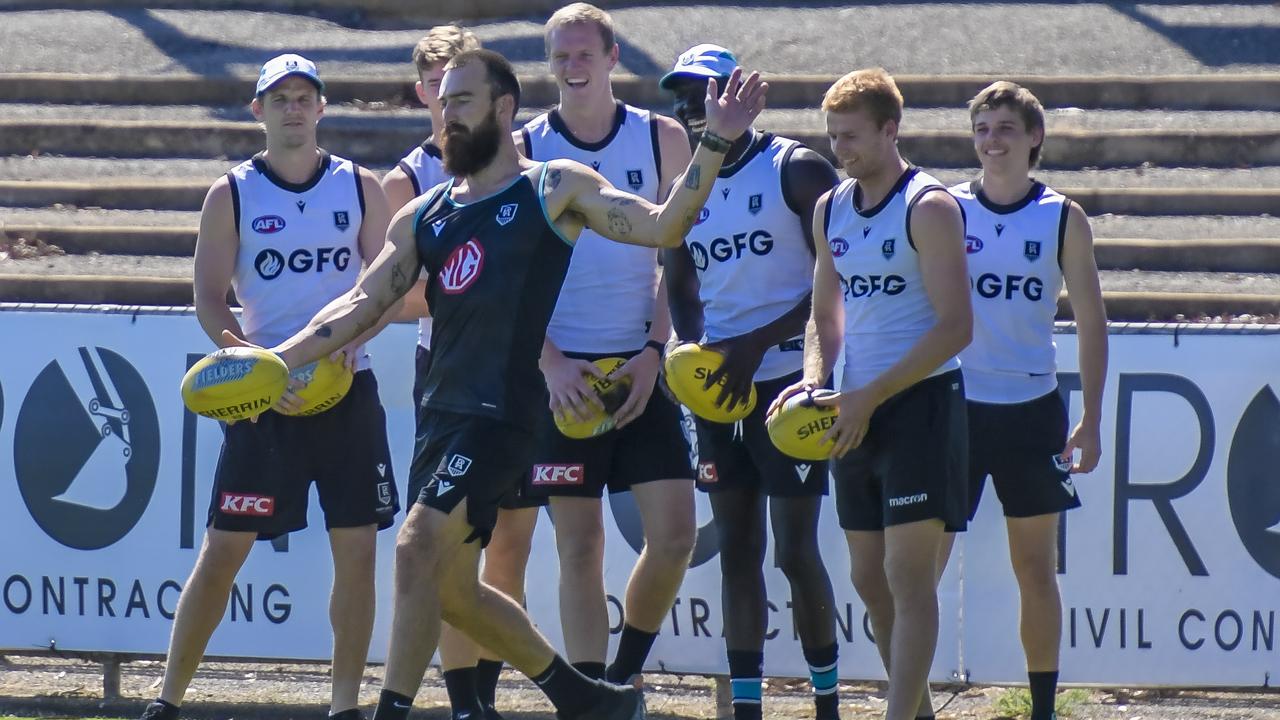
point(351, 607)
point(670, 528)
point(797, 553)
point(740, 526)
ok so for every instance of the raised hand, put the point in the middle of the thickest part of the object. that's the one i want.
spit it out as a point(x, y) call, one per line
point(731, 112)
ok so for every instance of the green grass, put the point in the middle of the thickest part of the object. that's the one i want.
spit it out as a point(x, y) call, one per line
point(1016, 702)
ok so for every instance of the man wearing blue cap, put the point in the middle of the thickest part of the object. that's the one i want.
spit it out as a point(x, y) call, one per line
point(741, 283)
point(289, 230)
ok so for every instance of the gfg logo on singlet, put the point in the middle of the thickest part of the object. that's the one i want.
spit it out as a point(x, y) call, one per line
point(757, 242)
point(865, 286)
point(271, 262)
point(462, 268)
point(992, 286)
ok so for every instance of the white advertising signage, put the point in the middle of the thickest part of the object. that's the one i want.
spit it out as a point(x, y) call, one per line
point(1170, 572)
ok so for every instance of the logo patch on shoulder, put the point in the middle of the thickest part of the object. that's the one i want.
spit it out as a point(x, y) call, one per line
point(887, 248)
point(972, 244)
point(755, 203)
point(1031, 248)
point(635, 179)
point(438, 226)
point(507, 213)
point(341, 220)
point(839, 246)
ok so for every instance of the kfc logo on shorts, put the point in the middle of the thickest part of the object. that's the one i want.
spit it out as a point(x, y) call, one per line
point(462, 268)
point(707, 473)
point(557, 474)
point(258, 505)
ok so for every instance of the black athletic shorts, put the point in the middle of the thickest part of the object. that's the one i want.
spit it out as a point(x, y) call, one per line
point(741, 456)
point(652, 447)
point(911, 465)
point(1018, 444)
point(469, 457)
point(265, 469)
point(517, 499)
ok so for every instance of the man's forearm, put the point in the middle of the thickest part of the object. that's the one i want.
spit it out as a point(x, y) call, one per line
point(822, 341)
point(680, 211)
point(340, 322)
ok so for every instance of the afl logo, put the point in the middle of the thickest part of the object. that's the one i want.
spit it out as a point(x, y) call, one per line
point(462, 268)
point(972, 244)
point(703, 214)
point(839, 246)
point(268, 224)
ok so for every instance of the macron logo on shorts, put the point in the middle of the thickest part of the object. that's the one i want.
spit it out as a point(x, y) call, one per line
point(557, 474)
point(259, 505)
point(707, 473)
point(908, 500)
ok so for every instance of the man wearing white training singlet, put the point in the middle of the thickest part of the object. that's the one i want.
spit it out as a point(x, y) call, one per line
point(470, 672)
point(289, 230)
point(1025, 240)
point(742, 284)
point(890, 287)
point(611, 305)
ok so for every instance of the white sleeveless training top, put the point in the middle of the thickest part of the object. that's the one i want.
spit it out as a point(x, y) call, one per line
point(425, 168)
point(1015, 270)
point(299, 245)
point(886, 308)
point(753, 261)
point(607, 299)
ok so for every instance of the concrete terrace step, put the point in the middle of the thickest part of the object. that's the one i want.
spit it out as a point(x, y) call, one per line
point(371, 143)
point(1189, 92)
point(146, 194)
point(1240, 255)
point(385, 115)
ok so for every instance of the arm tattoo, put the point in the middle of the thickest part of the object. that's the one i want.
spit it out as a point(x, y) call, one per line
point(324, 331)
point(618, 222)
point(693, 178)
point(400, 281)
point(553, 180)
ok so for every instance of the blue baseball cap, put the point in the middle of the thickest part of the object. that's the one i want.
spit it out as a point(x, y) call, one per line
point(282, 66)
point(701, 61)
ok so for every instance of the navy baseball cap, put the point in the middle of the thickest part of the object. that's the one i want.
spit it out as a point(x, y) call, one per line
point(701, 61)
point(282, 66)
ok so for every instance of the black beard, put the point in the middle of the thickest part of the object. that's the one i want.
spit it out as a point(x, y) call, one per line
point(467, 152)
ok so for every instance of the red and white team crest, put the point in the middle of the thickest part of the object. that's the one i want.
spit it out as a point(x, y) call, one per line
point(462, 268)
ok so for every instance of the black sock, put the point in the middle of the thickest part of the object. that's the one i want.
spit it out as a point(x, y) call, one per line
point(826, 681)
point(161, 710)
point(487, 673)
point(351, 714)
point(593, 670)
point(1044, 685)
point(392, 706)
point(570, 691)
point(460, 683)
point(633, 650)
point(746, 678)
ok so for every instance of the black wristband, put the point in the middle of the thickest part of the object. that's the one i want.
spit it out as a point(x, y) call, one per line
point(660, 347)
point(714, 142)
